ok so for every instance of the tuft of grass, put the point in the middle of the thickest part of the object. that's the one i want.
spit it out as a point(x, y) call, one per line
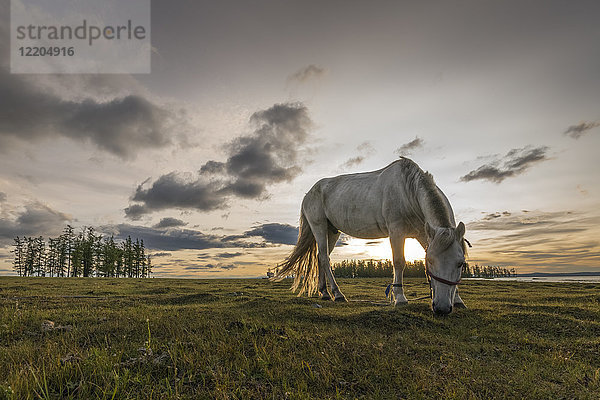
point(238, 339)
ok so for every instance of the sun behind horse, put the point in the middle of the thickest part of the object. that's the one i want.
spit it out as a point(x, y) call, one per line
point(399, 201)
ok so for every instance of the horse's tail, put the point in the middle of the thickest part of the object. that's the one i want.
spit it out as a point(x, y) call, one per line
point(302, 262)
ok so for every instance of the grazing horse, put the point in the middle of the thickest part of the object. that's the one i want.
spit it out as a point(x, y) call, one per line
point(399, 201)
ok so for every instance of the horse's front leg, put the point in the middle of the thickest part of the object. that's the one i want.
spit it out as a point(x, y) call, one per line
point(458, 302)
point(397, 243)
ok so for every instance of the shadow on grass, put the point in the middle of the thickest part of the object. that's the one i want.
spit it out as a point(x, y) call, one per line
point(159, 290)
point(552, 325)
point(196, 298)
point(350, 316)
point(552, 312)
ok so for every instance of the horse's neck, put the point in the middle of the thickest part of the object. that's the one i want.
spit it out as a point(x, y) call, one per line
point(431, 211)
point(434, 208)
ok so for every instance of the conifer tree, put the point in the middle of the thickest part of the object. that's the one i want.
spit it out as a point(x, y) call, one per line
point(20, 255)
point(52, 257)
point(148, 266)
point(39, 256)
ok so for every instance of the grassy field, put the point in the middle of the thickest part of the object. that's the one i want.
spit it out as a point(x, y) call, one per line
point(239, 339)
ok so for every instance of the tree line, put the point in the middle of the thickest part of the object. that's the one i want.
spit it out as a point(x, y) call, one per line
point(85, 254)
point(488, 271)
point(385, 269)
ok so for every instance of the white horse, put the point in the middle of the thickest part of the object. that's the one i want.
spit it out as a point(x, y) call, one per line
point(399, 201)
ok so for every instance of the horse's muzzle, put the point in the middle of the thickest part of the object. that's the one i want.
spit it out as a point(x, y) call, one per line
point(438, 310)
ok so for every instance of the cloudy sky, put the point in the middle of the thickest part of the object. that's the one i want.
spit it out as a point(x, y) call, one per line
point(208, 157)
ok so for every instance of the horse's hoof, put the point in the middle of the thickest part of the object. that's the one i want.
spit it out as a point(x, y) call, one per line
point(459, 305)
point(340, 298)
point(325, 296)
point(400, 303)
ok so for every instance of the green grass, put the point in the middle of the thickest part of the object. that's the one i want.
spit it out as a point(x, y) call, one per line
point(238, 339)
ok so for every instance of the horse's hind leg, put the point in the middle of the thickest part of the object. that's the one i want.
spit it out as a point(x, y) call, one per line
point(322, 238)
point(320, 227)
point(320, 231)
point(332, 238)
point(324, 294)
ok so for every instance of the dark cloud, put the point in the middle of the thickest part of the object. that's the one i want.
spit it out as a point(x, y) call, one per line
point(135, 212)
point(307, 73)
point(272, 233)
point(121, 126)
point(3, 197)
point(352, 162)
point(491, 216)
point(269, 155)
point(364, 150)
point(577, 131)
point(37, 219)
point(219, 255)
point(169, 222)
point(516, 162)
point(212, 167)
point(228, 255)
point(407, 148)
point(161, 254)
point(210, 267)
point(177, 239)
point(175, 191)
point(275, 233)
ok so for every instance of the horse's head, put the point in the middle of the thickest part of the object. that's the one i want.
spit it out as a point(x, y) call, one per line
point(444, 262)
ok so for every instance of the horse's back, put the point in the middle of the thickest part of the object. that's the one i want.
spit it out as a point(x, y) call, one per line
point(362, 186)
point(354, 203)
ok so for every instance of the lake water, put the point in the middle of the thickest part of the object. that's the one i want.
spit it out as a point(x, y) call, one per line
point(564, 278)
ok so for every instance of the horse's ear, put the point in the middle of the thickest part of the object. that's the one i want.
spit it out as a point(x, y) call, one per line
point(430, 231)
point(460, 230)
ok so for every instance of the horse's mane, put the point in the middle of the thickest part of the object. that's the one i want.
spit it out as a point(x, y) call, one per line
point(444, 238)
point(419, 181)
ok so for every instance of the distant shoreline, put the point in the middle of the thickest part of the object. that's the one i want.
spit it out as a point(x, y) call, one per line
point(552, 274)
point(580, 277)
